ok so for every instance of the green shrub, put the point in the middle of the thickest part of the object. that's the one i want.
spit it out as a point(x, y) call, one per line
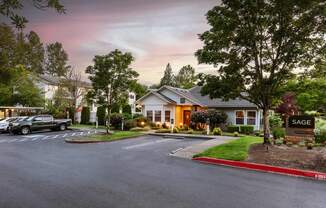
point(247, 129)
point(217, 131)
point(116, 120)
point(126, 109)
point(163, 131)
point(275, 121)
point(278, 133)
point(190, 131)
point(129, 124)
point(100, 114)
point(233, 128)
point(85, 115)
point(236, 134)
point(176, 130)
point(278, 142)
point(320, 137)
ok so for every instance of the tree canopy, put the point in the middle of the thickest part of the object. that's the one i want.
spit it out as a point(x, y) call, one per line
point(257, 45)
point(111, 77)
point(186, 77)
point(57, 60)
point(168, 77)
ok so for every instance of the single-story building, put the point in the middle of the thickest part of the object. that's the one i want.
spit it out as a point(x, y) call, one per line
point(172, 105)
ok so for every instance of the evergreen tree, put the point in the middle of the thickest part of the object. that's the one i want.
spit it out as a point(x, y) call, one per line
point(186, 77)
point(168, 78)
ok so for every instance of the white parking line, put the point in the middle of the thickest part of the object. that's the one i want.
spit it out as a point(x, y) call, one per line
point(147, 144)
point(81, 133)
point(35, 139)
point(73, 134)
point(56, 136)
point(88, 132)
point(46, 137)
point(4, 140)
point(64, 135)
point(12, 140)
point(23, 140)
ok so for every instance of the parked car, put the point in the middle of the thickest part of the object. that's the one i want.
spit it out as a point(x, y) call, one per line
point(4, 123)
point(38, 122)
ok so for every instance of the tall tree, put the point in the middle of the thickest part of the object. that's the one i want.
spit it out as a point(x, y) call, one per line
point(139, 89)
point(288, 105)
point(57, 60)
point(186, 77)
point(111, 77)
point(10, 9)
point(34, 53)
point(73, 83)
point(257, 45)
point(168, 77)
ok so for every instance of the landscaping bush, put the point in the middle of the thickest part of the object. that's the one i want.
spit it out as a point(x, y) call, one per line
point(275, 121)
point(72, 114)
point(217, 131)
point(85, 115)
point(116, 120)
point(176, 130)
point(100, 114)
point(320, 137)
point(247, 129)
point(129, 124)
point(278, 133)
point(236, 134)
point(126, 109)
point(278, 142)
point(216, 118)
point(141, 119)
point(233, 128)
point(163, 131)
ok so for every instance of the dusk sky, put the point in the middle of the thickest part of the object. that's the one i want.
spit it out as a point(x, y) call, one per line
point(156, 32)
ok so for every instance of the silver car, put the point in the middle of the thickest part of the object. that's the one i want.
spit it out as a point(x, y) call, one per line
point(4, 123)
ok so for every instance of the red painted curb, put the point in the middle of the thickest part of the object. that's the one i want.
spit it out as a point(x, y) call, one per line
point(263, 167)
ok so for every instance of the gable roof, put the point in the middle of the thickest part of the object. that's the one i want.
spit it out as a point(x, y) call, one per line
point(183, 93)
point(159, 95)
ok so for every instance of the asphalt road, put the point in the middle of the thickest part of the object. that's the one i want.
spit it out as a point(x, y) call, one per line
point(138, 173)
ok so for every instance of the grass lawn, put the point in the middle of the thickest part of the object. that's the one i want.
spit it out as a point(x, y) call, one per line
point(117, 135)
point(233, 150)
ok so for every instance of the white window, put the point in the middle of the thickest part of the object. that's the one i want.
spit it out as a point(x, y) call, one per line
point(239, 117)
point(251, 117)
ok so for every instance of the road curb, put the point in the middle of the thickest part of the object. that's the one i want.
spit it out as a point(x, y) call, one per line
point(264, 168)
point(191, 136)
point(97, 141)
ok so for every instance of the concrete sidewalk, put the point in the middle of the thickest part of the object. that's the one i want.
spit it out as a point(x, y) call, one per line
point(190, 151)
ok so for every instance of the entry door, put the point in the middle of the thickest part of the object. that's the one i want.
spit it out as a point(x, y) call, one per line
point(186, 117)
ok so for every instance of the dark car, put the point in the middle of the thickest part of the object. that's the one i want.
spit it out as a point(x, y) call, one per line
point(38, 122)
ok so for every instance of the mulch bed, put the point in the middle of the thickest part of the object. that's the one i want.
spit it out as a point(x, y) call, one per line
point(291, 157)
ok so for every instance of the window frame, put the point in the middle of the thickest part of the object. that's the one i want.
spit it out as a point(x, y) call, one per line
point(155, 116)
point(169, 116)
point(151, 115)
point(251, 117)
point(182, 100)
point(236, 117)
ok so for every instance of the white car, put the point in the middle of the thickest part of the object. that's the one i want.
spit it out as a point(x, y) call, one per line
point(4, 123)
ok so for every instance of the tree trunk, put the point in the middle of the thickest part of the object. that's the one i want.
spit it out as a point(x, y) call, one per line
point(266, 126)
point(108, 121)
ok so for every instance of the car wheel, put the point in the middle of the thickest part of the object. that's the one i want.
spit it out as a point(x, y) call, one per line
point(62, 127)
point(25, 130)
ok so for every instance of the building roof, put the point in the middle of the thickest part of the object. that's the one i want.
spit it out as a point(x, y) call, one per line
point(194, 96)
point(218, 102)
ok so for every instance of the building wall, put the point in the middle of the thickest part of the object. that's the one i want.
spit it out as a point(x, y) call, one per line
point(174, 97)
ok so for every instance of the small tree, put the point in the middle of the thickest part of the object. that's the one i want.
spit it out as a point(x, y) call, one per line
point(257, 45)
point(111, 77)
point(288, 106)
point(101, 115)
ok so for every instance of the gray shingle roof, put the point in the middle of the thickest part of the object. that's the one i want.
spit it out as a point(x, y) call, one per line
point(219, 103)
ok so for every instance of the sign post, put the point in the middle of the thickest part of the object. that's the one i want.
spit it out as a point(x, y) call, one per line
point(208, 123)
point(172, 125)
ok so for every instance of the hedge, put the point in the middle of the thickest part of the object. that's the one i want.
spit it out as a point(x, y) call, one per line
point(247, 129)
point(100, 114)
point(233, 128)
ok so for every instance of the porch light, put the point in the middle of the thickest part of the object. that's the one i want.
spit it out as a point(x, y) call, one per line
point(180, 123)
point(158, 123)
point(142, 123)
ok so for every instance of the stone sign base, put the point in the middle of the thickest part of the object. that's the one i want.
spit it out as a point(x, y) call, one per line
point(298, 139)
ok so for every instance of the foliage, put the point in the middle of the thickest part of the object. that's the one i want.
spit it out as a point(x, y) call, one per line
point(215, 117)
point(140, 129)
point(257, 45)
point(11, 9)
point(288, 105)
point(176, 130)
point(320, 137)
point(310, 93)
point(233, 128)
point(129, 124)
point(247, 129)
point(186, 77)
point(101, 115)
point(279, 142)
point(117, 135)
point(168, 77)
point(217, 131)
point(139, 89)
point(126, 109)
point(278, 133)
point(57, 58)
point(111, 77)
point(85, 115)
point(275, 121)
point(163, 131)
point(60, 103)
point(17, 88)
point(236, 134)
point(233, 150)
point(116, 120)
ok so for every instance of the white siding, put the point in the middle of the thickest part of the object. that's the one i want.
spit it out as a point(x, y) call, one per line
point(175, 97)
